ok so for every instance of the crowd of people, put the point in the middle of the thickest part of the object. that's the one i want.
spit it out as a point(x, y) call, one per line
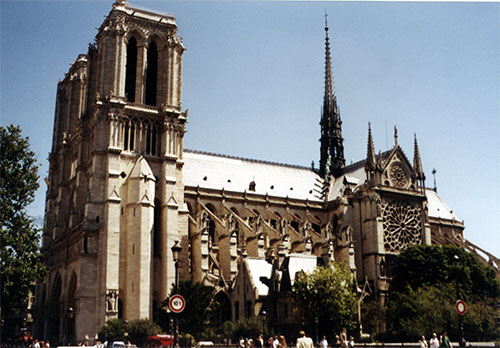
point(303, 341)
point(435, 342)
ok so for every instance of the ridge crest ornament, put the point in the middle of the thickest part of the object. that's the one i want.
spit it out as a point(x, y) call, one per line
point(402, 225)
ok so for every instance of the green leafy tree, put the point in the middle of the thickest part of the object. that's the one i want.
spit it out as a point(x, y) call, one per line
point(373, 315)
point(113, 330)
point(139, 329)
point(424, 265)
point(20, 258)
point(191, 320)
point(422, 294)
point(328, 294)
point(247, 328)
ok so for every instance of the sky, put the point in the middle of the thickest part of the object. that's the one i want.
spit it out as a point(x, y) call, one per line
point(253, 81)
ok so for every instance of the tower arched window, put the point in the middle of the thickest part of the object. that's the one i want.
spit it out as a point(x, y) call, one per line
point(151, 74)
point(131, 70)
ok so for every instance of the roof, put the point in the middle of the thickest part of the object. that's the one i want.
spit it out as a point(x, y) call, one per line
point(301, 262)
point(258, 268)
point(213, 171)
point(438, 208)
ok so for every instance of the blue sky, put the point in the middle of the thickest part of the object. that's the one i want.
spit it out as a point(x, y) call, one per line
point(254, 76)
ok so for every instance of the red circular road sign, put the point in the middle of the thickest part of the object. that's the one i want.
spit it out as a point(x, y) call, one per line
point(460, 307)
point(177, 303)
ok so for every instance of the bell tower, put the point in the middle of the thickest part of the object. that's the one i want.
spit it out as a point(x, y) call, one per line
point(115, 199)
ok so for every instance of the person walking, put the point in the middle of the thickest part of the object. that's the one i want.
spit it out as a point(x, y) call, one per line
point(276, 341)
point(323, 343)
point(434, 341)
point(446, 341)
point(282, 342)
point(303, 341)
point(423, 342)
point(344, 343)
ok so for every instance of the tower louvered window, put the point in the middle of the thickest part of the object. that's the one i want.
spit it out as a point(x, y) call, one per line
point(151, 74)
point(131, 70)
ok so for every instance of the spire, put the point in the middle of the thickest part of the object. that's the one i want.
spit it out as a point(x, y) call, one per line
point(395, 136)
point(370, 153)
point(417, 162)
point(331, 132)
point(329, 89)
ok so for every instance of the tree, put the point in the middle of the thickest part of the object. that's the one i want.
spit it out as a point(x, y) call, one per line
point(328, 294)
point(247, 327)
point(139, 330)
point(20, 258)
point(113, 330)
point(422, 294)
point(198, 300)
point(425, 265)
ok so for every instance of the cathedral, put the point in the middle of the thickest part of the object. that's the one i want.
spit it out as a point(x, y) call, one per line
point(123, 190)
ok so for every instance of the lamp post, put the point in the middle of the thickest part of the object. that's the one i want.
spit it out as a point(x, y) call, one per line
point(176, 250)
point(70, 314)
point(456, 264)
point(316, 326)
point(264, 318)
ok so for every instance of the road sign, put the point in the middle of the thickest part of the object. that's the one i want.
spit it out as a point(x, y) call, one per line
point(460, 307)
point(177, 303)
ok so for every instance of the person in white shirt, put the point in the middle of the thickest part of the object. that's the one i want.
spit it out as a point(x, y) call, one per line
point(323, 343)
point(303, 341)
point(423, 343)
point(434, 341)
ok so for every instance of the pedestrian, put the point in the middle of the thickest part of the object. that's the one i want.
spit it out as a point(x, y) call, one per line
point(351, 342)
point(423, 342)
point(434, 341)
point(282, 342)
point(344, 343)
point(323, 343)
point(303, 341)
point(259, 343)
point(242, 342)
point(446, 341)
point(276, 342)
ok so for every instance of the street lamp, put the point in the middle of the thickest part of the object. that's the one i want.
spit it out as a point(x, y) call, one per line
point(70, 313)
point(176, 250)
point(264, 318)
point(456, 264)
point(316, 325)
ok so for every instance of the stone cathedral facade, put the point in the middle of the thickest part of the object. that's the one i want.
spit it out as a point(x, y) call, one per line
point(122, 190)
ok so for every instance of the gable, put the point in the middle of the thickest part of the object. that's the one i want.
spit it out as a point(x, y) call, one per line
point(397, 171)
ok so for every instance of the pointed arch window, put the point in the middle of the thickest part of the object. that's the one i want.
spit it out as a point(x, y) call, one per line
point(152, 146)
point(131, 70)
point(151, 74)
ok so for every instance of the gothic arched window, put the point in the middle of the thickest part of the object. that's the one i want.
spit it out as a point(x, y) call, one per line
point(131, 70)
point(151, 74)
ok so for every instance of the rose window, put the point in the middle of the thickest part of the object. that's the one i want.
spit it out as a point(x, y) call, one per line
point(398, 175)
point(402, 226)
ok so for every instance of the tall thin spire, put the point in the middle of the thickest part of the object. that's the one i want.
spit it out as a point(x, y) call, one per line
point(370, 152)
point(332, 147)
point(417, 162)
